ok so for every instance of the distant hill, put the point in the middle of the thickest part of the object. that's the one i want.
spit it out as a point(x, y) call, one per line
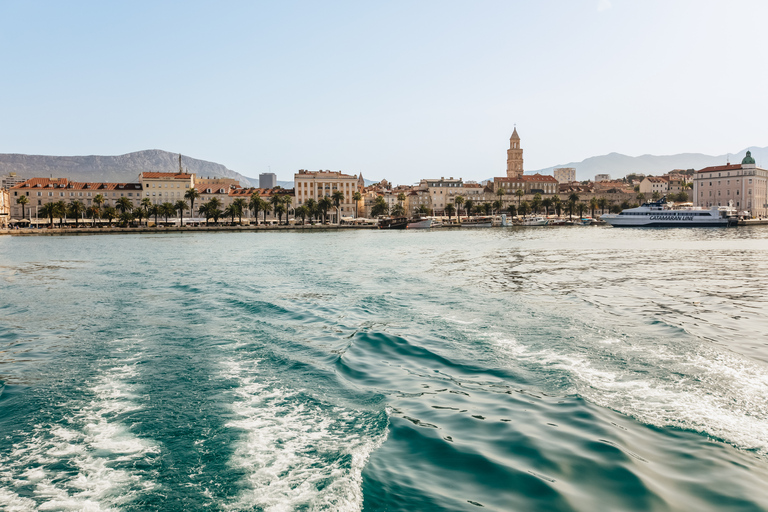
point(618, 165)
point(122, 168)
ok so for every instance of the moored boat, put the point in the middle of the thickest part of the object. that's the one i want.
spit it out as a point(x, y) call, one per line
point(478, 222)
point(419, 223)
point(663, 214)
point(535, 221)
point(393, 223)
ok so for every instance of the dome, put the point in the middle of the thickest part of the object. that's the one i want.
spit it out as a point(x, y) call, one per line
point(748, 159)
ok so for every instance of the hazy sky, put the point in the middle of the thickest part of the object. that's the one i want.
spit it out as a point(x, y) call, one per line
point(396, 90)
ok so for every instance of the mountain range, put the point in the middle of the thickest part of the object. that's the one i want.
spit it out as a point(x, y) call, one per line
point(618, 165)
point(126, 168)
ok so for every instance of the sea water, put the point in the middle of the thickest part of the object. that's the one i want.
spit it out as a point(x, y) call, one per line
point(578, 368)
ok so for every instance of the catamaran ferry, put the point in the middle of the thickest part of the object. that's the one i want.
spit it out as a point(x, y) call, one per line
point(663, 214)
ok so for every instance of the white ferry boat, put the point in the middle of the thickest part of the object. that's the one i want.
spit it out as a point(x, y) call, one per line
point(663, 214)
point(535, 221)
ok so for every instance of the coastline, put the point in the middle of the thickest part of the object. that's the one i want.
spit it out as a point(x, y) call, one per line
point(117, 231)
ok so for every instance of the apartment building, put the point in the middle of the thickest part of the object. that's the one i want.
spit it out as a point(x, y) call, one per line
point(745, 184)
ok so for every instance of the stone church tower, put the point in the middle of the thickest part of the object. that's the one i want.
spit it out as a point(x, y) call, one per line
point(514, 156)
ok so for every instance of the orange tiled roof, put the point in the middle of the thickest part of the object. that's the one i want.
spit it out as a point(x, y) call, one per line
point(730, 167)
point(166, 175)
point(60, 183)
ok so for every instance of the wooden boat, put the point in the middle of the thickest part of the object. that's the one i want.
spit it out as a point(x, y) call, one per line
point(394, 223)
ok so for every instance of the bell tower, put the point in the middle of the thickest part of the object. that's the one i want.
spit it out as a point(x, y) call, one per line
point(514, 156)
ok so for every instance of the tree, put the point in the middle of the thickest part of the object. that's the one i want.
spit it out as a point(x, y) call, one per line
point(76, 210)
point(536, 203)
point(497, 206)
point(230, 212)
point(126, 218)
point(48, 210)
point(512, 210)
point(139, 214)
point(524, 208)
point(302, 212)
point(190, 195)
point(275, 200)
point(615, 208)
point(357, 196)
point(93, 213)
point(500, 193)
point(180, 206)
point(459, 201)
point(109, 213)
point(98, 200)
point(167, 209)
point(450, 210)
point(204, 210)
point(145, 205)
point(398, 210)
point(324, 205)
point(280, 209)
point(22, 200)
point(656, 195)
point(519, 193)
point(641, 198)
point(593, 205)
point(255, 205)
point(380, 207)
point(287, 200)
point(337, 197)
point(468, 205)
point(546, 203)
point(266, 207)
point(124, 205)
point(239, 205)
point(572, 200)
point(682, 197)
point(557, 203)
point(422, 210)
point(603, 204)
point(311, 205)
point(155, 211)
point(581, 208)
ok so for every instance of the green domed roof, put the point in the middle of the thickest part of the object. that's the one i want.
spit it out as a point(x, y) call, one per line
point(748, 159)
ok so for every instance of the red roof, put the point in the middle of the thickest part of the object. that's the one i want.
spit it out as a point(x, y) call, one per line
point(38, 183)
point(530, 178)
point(167, 175)
point(730, 167)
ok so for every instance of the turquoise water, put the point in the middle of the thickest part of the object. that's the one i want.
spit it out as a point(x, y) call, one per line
point(504, 369)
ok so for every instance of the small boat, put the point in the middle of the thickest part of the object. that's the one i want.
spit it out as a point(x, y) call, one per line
point(393, 223)
point(478, 222)
point(535, 221)
point(419, 223)
point(557, 221)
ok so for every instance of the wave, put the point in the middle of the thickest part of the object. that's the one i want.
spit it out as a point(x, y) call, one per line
point(81, 463)
point(296, 451)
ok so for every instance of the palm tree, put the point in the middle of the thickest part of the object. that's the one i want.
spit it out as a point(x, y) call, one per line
point(468, 205)
point(93, 213)
point(124, 205)
point(324, 205)
point(98, 200)
point(450, 210)
point(145, 204)
point(126, 218)
point(380, 207)
point(594, 205)
point(357, 196)
point(512, 210)
point(109, 213)
point(301, 212)
point(153, 211)
point(603, 204)
point(77, 209)
point(572, 200)
point(230, 212)
point(139, 213)
point(275, 200)
point(215, 212)
point(536, 203)
point(311, 205)
point(524, 208)
point(255, 205)
point(180, 206)
point(557, 203)
point(519, 193)
point(497, 205)
point(287, 200)
point(23, 200)
point(422, 210)
point(48, 210)
point(581, 208)
point(500, 193)
point(190, 195)
point(337, 197)
point(546, 203)
point(239, 205)
point(280, 209)
point(167, 209)
point(265, 207)
point(458, 200)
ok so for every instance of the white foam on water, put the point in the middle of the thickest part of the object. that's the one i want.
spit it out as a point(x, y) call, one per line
point(704, 389)
point(297, 454)
point(90, 443)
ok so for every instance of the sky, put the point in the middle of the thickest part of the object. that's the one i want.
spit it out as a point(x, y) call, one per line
point(396, 90)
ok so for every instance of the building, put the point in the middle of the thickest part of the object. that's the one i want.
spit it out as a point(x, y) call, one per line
point(166, 187)
point(41, 191)
point(267, 180)
point(11, 179)
point(514, 156)
point(5, 208)
point(318, 184)
point(442, 192)
point(602, 177)
point(745, 184)
point(530, 185)
point(652, 184)
point(565, 174)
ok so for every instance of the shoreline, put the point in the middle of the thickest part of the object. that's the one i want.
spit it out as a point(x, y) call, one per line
point(174, 229)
